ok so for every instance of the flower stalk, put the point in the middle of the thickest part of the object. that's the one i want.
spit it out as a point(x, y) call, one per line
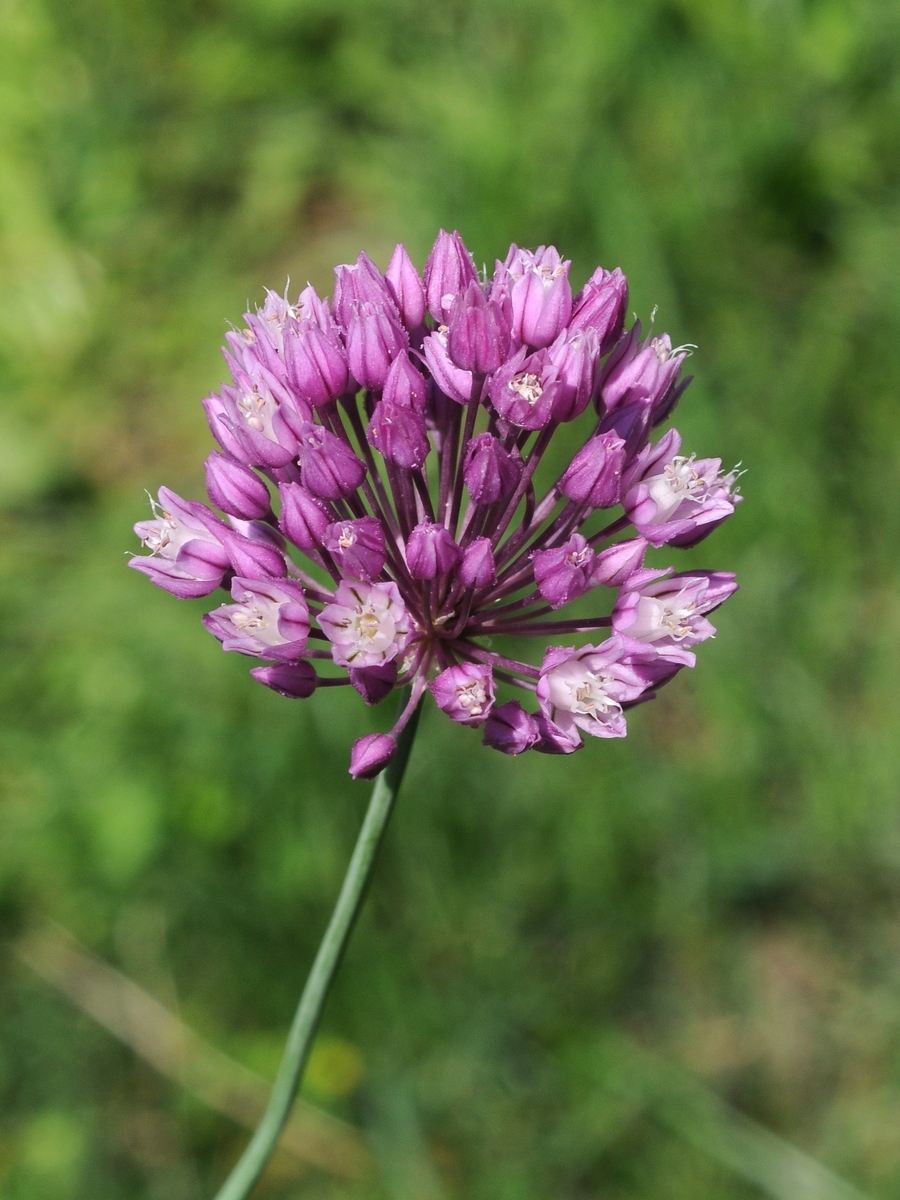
point(252, 1162)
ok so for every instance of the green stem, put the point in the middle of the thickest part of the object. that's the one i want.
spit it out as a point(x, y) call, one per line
point(253, 1161)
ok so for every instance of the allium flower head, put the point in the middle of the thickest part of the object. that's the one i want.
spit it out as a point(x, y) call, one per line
point(383, 528)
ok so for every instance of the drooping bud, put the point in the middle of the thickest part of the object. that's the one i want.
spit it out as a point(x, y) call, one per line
point(477, 569)
point(431, 551)
point(465, 693)
point(374, 340)
point(601, 305)
point(490, 471)
point(254, 558)
point(406, 287)
point(328, 466)
point(594, 475)
point(564, 573)
point(374, 683)
point(269, 619)
point(317, 364)
point(451, 379)
point(510, 729)
point(294, 680)
point(357, 547)
point(235, 488)
point(400, 434)
point(479, 334)
point(612, 567)
point(371, 754)
point(303, 518)
point(449, 271)
point(405, 386)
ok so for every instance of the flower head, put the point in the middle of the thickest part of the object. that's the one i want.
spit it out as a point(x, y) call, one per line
point(378, 471)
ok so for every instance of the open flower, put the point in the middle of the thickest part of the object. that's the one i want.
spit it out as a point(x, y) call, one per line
point(377, 465)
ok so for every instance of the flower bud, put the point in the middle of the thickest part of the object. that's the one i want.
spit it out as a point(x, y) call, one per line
point(510, 729)
point(294, 680)
point(328, 466)
point(404, 385)
point(614, 566)
point(478, 338)
point(235, 488)
point(431, 551)
point(564, 573)
point(449, 271)
point(477, 568)
point(594, 475)
point(303, 518)
point(451, 379)
point(601, 305)
point(254, 559)
point(490, 471)
point(374, 339)
point(465, 693)
point(575, 357)
point(317, 364)
point(399, 433)
point(371, 754)
point(357, 547)
point(540, 294)
point(360, 283)
point(407, 288)
point(374, 683)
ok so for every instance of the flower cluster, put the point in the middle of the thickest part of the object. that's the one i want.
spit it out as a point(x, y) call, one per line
point(392, 438)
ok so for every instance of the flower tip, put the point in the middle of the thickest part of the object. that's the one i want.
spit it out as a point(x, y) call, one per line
point(371, 754)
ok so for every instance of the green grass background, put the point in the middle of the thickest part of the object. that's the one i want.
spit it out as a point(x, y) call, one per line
point(723, 887)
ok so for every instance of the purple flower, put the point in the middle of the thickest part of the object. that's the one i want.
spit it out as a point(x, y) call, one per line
point(367, 624)
point(676, 500)
point(186, 543)
point(386, 468)
point(269, 619)
point(465, 693)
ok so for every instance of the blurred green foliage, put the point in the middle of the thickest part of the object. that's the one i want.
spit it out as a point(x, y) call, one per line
point(724, 886)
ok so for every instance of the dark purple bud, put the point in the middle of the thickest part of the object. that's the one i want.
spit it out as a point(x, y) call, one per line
point(449, 271)
point(510, 729)
point(357, 547)
point(374, 339)
point(478, 338)
point(594, 475)
point(465, 693)
point(553, 740)
point(490, 471)
point(575, 356)
point(254, 559)
point(564, 573)
point(317, 364)
point(360, 283)
point(405, 386)
point(400, 434)
point(601, 305)
point(329, 467)
point(407, 288)
point(235, 488)
point(371, 754)
point(612, 567)
point(451, 379)
point(374, 683)
point(431, 551)
point(540, 293)
point(303, 519)
point(477, 568)
point(294, 680)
